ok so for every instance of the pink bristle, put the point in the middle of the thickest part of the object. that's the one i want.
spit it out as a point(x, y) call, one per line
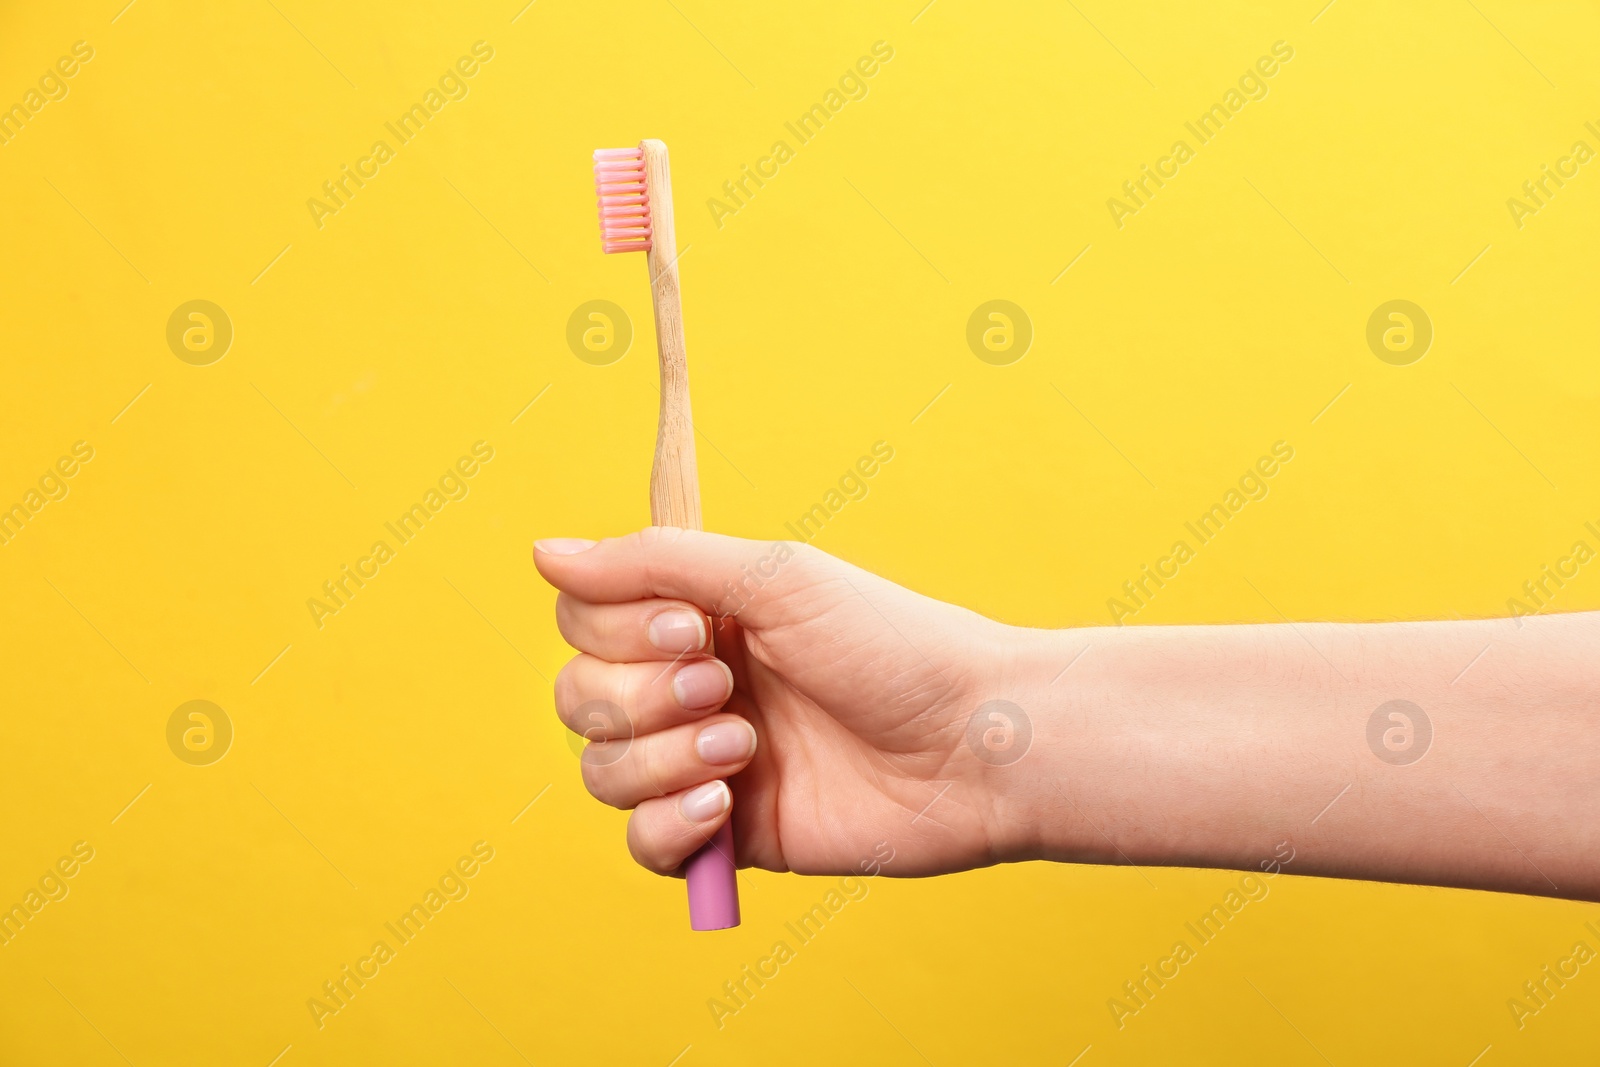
point(619, 184)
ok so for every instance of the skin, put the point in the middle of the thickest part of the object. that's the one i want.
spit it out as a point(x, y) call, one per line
point(1205, 746)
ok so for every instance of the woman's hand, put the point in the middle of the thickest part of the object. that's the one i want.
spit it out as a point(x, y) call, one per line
point(1460, 753)
point(838, 712)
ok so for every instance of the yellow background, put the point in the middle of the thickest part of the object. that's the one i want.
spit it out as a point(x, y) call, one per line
point(821, 318)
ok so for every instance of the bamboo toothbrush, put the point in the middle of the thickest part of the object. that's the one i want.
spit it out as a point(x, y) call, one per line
point(634, 187)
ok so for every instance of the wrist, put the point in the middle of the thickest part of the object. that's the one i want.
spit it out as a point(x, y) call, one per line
point(1172, 745)
point(1029, 731)
point(1130, 730)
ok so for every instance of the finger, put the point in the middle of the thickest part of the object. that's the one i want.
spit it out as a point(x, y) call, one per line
point(638, 630)
point(722, 575)
point(622, 773)
point(663, 832)
point(603, 700)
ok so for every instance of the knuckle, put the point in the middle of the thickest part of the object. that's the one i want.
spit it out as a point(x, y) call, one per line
point(664, 536)
point(593, 781)
point(601, 781)
point(625, 692)
point(651, 542)
point(610, 629)
point(651, 767)
point(809, 560)
point(566, 692)
point(646, 846)
point(608, 725)
point(565, 622)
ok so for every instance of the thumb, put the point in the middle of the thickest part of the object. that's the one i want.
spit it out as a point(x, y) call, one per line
point(719, 574)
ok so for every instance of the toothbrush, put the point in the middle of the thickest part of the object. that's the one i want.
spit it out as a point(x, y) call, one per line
point(634, 187)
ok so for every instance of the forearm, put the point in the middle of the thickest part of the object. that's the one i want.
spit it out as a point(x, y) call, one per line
point(1211, 746)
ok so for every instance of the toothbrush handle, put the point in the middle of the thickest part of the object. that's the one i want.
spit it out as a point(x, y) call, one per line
point(713, 888)
point(711, 872)
point(675, 500)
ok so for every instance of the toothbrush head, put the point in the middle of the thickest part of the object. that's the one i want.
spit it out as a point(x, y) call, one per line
point(619, 182)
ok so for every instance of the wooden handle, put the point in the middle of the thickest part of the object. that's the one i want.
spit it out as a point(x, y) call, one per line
point(674, 487)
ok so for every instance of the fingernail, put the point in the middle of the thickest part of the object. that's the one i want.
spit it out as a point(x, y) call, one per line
point(705, 802)
point(564, 546)
point(727, 742)
point(702, 685)
point(678, 631)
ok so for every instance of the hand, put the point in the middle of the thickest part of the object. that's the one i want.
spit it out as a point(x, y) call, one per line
point(838, 712)
point(844, 721)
